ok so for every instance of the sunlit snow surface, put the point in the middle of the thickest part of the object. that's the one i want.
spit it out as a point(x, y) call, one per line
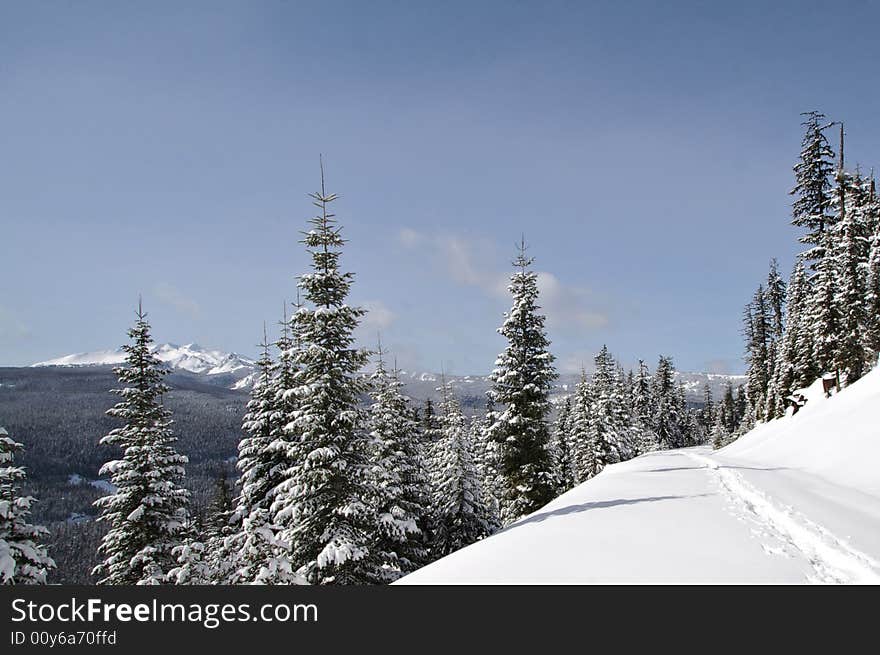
point(796, 500)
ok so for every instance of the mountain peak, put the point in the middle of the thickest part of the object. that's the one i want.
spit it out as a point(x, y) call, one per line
point(190, 357)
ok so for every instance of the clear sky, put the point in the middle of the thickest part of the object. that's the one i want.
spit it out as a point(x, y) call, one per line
point(644, 148)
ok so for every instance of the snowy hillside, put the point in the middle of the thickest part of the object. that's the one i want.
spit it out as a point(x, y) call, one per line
point(190, 357)
point(795, 500)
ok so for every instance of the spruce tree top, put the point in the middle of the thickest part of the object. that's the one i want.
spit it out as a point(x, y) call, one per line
point(813, 186)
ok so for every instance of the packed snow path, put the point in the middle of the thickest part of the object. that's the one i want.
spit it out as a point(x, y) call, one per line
point(833, 560)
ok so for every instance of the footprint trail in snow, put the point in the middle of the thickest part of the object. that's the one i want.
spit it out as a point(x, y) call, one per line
point(832, 560)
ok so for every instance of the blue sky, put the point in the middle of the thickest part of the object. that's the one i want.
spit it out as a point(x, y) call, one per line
point(645, 150)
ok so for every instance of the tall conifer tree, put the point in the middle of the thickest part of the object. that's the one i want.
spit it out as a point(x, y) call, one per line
point(147, 512)
point(521, 384)
point(322, 502)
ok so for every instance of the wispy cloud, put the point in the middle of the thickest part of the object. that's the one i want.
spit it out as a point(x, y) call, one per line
point(566, 306)
point(409, 237)
point(173, 297)
point(378, 317)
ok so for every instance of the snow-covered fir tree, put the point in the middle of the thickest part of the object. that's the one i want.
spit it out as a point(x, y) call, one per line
point(775, 295)
point(147, 512)
point(872, 286)
point(794, 367)
point(401, 490)
point(824, 310)
point(812, 191)
point(23, 558)
point(521, 384)
point(579, 429)
point(461, 517)
point(322, 503)
point(608, 419)
point(707, 412)
point(667, 419)
point(643, 404)
point(757, 328)
point(849, 251)
point(485, 463)
point(562, 447)
point(255, 554)
point(720, 435)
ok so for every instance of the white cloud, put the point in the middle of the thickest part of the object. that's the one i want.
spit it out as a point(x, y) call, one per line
point(566, 307)
point(378, 316)
point(173, 297)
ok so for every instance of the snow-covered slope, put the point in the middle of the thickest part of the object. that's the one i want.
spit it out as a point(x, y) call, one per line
point(190, 357)
point(795, 500)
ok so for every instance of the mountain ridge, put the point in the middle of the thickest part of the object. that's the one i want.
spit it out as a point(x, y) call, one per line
point(238, 372)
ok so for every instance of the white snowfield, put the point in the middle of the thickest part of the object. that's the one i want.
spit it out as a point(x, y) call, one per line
point(796, 500)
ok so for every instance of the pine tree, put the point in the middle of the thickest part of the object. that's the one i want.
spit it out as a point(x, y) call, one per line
point(221, 507)
point(644, 409)
point(743, 417)
point(254, 553)
point(401, 493)
point(608, 418)
point(667, 419)
point(258, 465)
point(23, 559)
point(321, 503)
point(486, 465)
point(727, 408)
point(581, 435)
point(147, 513)
point(813, 188)
point(825, 319)
point(565, 468)
point(720, 435)
point(642, 397)
point(775, 296)
point(757, 327)
point(461, 517)
point(794, 368)
point(521, 384)
point(848, 252)
point(872, 288)
point(827, 316)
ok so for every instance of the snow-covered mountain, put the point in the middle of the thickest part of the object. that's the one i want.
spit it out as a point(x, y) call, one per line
point(795, 500)
point(190, 357)
point(239, 372)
